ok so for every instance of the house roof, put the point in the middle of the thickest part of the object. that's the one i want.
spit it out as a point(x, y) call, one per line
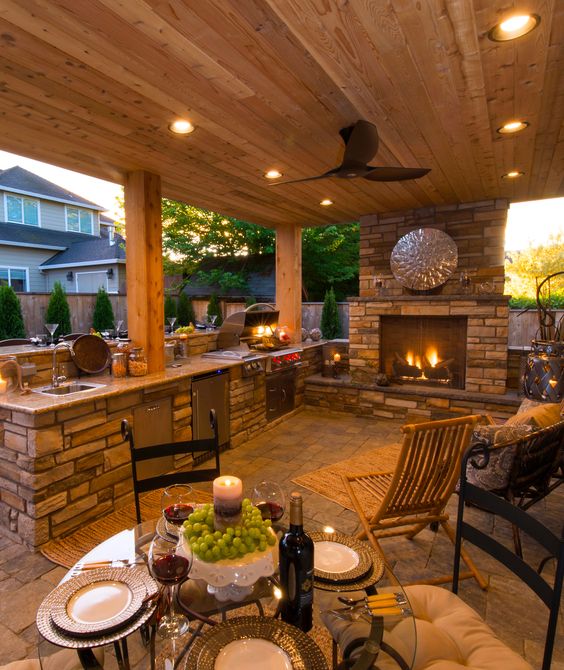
point(93, 251)
point(20, 235)
point(261, 279)
point(18, 180)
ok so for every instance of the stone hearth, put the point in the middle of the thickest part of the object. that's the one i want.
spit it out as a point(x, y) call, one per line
point(486, 335)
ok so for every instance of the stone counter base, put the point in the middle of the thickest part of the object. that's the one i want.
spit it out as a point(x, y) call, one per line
point(404, 403)
point(62, 469)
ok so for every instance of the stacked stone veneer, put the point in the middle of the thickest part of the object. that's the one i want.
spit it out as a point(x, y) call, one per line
point(61, 469)
point(478, 230)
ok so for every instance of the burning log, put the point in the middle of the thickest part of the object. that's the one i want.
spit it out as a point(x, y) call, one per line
point(438, 373)
point(440, 364)
point(402, 368)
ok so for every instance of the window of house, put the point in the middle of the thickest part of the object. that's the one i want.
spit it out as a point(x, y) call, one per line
point(22, 210)
point(14, 277)
point(79, 220)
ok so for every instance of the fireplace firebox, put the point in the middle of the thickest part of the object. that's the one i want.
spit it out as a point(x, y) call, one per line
point(426, 350)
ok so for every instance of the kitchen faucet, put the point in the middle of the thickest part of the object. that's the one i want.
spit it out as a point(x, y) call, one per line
point(57, 379)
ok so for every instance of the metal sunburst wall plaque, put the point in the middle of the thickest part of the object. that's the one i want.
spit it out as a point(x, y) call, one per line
point(424, 259)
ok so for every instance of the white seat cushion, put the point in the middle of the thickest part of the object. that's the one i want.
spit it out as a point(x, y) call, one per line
point(452, 636)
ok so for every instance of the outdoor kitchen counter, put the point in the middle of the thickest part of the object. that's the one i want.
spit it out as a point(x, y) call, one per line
point(36, 403)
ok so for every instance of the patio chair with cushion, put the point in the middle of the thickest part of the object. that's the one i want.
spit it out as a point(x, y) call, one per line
point(415, 494)
point(146, 454)
point(449, 633)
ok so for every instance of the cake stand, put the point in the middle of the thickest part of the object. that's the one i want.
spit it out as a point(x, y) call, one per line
point(233, 579)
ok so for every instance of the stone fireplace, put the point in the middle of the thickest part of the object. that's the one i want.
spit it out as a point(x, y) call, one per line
point(453, 337)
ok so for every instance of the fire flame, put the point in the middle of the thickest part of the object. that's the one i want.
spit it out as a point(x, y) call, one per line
point(431, 355)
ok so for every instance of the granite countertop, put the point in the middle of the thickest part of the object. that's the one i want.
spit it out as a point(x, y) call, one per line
point(36, 403)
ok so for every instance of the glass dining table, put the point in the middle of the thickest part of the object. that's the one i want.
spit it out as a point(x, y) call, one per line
point(378, 642)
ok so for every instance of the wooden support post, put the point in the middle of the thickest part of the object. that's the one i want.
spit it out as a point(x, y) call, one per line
point(289, 278)
point(145, 282)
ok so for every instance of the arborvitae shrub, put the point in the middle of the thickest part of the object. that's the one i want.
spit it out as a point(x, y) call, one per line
point(169, 306)
point(214, 308)
point(103, 317)
point(58, 310)
point(11, 320)
point(330, 323)
point(185, 311)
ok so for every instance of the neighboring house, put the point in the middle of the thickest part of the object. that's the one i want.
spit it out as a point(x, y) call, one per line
point(48, 234)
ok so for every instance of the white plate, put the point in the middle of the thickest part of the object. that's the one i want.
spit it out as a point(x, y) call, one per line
point(252, 654)
point(334, 557)
point(99, 602)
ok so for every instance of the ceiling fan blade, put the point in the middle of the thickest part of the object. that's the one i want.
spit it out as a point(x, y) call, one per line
point(361, 142)
point(325, 175)
point(395, 173)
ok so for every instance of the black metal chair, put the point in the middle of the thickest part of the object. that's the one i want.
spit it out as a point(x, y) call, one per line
point(157, 451)
point(492, 503)
point(14, 341)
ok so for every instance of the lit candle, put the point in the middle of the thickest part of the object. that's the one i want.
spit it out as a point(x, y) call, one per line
point(336, 357)
point(227, 497)
point(3, 386)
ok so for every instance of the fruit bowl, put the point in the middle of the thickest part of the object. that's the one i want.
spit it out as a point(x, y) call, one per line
point(234, 578)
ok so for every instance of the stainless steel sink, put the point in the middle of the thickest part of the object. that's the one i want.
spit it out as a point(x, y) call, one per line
point(67, 389)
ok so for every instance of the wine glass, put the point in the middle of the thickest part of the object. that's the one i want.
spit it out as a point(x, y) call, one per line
point(172, 321)
point(175, 504)
point(169, 564)
point(118, 327)
point(270, 499)
point(210, 321)
point(51, 328)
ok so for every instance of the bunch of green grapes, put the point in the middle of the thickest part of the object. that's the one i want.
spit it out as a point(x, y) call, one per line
point(254, 534)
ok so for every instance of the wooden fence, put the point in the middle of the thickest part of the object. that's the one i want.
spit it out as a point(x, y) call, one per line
point(522, 326)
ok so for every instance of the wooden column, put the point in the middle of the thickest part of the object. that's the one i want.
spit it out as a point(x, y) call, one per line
point(289, 278)
point(143, 225)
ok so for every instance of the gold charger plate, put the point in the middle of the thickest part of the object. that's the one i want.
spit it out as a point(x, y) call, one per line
point(354, 546)
point(373, 576)
point(300, 649)
point(98, 601)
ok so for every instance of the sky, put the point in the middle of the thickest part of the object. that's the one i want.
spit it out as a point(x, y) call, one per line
point(528, 223)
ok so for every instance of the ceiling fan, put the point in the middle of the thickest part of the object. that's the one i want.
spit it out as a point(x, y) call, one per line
point(361, 144)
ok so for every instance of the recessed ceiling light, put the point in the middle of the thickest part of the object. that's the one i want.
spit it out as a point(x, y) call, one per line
point(181, 127)
point(326, 202)
point(512, 127)
point(273, 174)
point(514, 27)
point(512, 175)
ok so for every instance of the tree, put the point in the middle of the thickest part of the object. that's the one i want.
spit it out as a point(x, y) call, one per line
point(523, 269)
point(103, 316)
point(330, 260)
point(215, 309)
point(330, 323)
point(58, 310)
point(11, 320)
point(185, 311)
point(169, 306)
point(191, 234)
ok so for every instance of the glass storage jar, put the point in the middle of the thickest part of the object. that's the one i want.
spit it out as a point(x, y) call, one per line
point(119, 364)
point(137, 364)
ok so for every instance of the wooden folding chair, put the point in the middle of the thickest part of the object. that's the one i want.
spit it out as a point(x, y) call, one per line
point(415, 494)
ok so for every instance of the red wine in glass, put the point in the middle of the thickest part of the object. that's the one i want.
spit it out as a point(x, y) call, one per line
point(170, 569)
point(177, 513)
point(271, 510)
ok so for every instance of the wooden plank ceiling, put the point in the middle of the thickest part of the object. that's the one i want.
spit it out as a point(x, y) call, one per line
point(92, 85)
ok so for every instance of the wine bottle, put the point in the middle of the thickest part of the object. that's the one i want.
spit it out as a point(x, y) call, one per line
point(296, 570)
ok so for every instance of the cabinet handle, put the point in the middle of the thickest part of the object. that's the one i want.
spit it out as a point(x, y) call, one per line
point(154, 408)
point(283, 395)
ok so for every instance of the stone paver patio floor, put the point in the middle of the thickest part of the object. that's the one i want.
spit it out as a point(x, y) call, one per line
point(305, 442)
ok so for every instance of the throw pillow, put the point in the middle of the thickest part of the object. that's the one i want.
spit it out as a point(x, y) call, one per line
point(527, 404)
point(542, 416)
point(495, 476)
